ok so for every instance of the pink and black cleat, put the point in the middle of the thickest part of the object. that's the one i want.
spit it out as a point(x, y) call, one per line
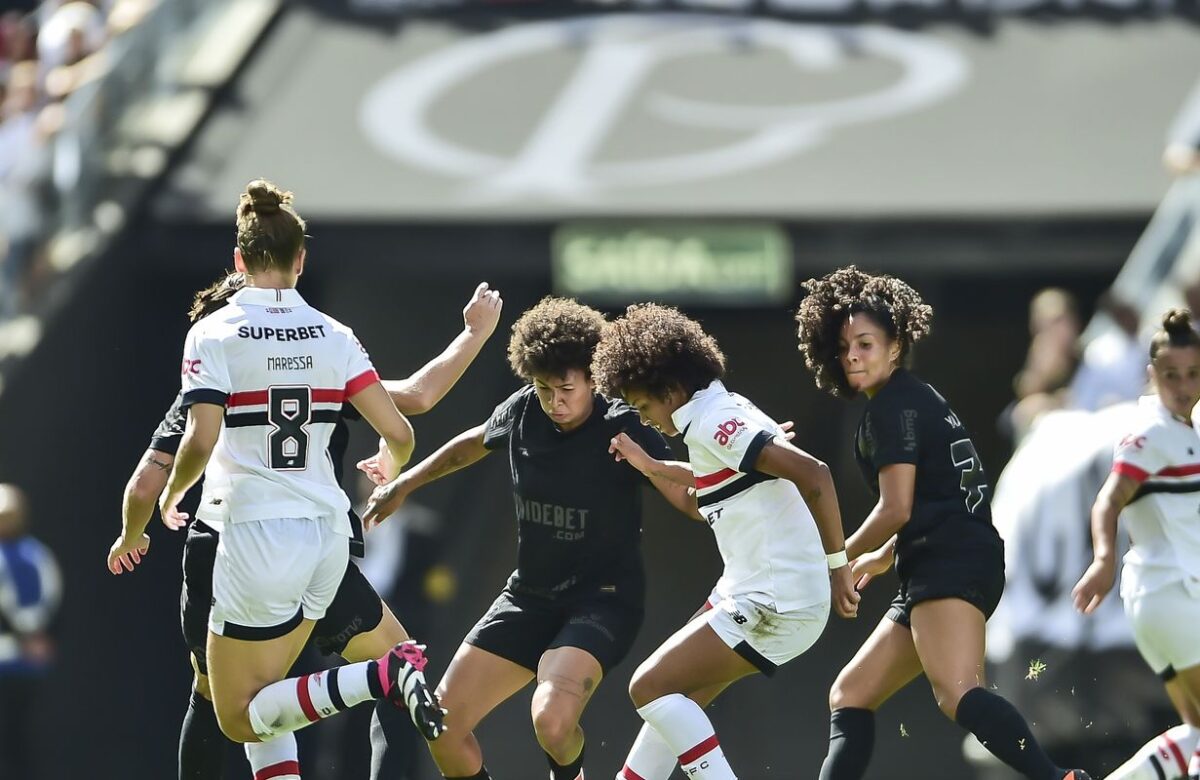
point(402, 677)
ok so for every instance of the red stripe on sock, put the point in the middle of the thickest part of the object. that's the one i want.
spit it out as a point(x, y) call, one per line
point(1179, 759)
point(306, 704)
point(282, 769)
point(706, 746)
point(629, 774)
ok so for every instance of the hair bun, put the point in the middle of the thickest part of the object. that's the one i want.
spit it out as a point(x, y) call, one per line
point(1177, 322)
point(265, 197)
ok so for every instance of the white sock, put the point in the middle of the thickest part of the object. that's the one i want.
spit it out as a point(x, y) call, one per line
point(1165, 756)
point(650, 758)
point(686, 729)
point(275, 759)
point(296, 702)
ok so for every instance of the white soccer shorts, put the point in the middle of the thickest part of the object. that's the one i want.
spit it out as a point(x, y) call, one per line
point(269, 574)
point(764, 637)
point(1166, 625)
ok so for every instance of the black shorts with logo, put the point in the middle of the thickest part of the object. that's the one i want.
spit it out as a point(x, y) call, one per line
point(355, 609)
point(969, 566)
point(603, 620)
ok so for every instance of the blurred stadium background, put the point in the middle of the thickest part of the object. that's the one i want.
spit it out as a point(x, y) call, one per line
point(711, 153)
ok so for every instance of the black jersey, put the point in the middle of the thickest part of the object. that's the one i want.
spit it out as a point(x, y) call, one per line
point(579, 513)
point(170, 431)
point(909, 422)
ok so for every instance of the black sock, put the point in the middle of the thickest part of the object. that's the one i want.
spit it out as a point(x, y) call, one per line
point(851, 740)
point(1004, 732)
point(373, 684)
point(201, 743)
point(394, 742)
point(568, 772)
point(482, 774)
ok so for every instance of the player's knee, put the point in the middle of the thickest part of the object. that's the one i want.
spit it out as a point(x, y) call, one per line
point(645, 686)
point(235, 724)
point(948, 693)
point(842, 694)
point(554, 729)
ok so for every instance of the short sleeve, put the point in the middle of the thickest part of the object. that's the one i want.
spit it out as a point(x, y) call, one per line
point(895, 431)
point(166, 437)
point(1136, 456)
point(360, 372)
point(732, 439)
point(205, 373)
point(499, 426)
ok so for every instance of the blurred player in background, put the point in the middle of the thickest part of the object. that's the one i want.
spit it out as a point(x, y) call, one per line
point(1154, 485)
point(573, 607)
point(773, 510)
point(933, 519)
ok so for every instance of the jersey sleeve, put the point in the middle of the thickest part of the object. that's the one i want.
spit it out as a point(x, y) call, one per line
point(895, 426)
point(360, 372)
point(204, 371)
point(500, 424)
point(166, 437)
point(1137, 457)
point(733, 438)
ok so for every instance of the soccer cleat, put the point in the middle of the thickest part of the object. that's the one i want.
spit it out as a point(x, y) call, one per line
point(1077, 774)
point(401, 675)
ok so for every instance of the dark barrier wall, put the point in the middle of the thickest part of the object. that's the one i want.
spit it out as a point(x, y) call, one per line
point(78, 416)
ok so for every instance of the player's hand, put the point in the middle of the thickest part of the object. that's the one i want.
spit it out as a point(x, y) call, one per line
point(168, 507)
point(127, 553)
point(383, 503)
point(380, 468)
point(1094, 585)
point(624, 448)
point(843, 594)
point(867, 567)
point(482, 312)
point(789, 429)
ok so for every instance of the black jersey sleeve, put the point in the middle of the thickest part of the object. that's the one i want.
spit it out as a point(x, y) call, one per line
point(894, 424)
point(169, 432)
point(500, 424)
point(647, 438)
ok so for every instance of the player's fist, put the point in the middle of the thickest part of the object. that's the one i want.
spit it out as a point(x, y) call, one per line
point(482, 312)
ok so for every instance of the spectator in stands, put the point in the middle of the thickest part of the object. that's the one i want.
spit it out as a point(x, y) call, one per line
point(1054, 328)
point(1114, 362)
point(29, 594)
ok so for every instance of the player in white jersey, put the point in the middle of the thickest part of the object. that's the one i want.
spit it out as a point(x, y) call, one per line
point(773, 510)
point(1155, 487)
point(270, 490)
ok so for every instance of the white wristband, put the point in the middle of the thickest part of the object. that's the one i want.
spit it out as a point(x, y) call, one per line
point(837, 560)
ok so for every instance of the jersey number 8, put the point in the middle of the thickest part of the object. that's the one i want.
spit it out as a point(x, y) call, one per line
point(289, 410)
point(962, 452)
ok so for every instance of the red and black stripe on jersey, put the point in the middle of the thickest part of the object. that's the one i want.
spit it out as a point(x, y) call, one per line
point(1172, 479)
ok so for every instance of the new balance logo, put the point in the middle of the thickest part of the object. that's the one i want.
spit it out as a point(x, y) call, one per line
point(738, 617)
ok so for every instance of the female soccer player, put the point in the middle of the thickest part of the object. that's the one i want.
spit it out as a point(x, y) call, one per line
point(358, 625)
point(933, 518)
point(264, 380)
point(773, 510)
point(1154, 485)
point(572, 608)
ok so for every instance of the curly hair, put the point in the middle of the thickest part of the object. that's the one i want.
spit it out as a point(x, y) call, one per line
point(553, 337)
point(654, 349)
point(1176, 331)
point(891, 303)
point(216, 295)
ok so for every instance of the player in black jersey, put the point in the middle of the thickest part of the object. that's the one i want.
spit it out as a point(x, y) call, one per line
point(933, 518)
point(572, 608)
point(357, 625)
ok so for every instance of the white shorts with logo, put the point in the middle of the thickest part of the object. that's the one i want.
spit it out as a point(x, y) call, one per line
point(271, 574)
point(1166, 626)
point(764, 637)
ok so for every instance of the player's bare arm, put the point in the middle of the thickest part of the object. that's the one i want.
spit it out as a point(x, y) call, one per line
point(137, 507)
point(199, 438)
point(427, 386)
point(1098, 580)
point(897, 483)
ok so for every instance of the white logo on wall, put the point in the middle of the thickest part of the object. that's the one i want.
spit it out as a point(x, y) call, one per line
point(617, 55)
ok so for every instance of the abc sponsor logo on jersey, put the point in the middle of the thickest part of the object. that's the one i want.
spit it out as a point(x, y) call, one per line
point(728, 432)
point(191, 367)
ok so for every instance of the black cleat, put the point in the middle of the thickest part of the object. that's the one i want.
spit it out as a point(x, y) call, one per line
point(402, 677)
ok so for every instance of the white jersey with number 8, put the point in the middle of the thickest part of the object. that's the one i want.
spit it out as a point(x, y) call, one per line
point(282, 370)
